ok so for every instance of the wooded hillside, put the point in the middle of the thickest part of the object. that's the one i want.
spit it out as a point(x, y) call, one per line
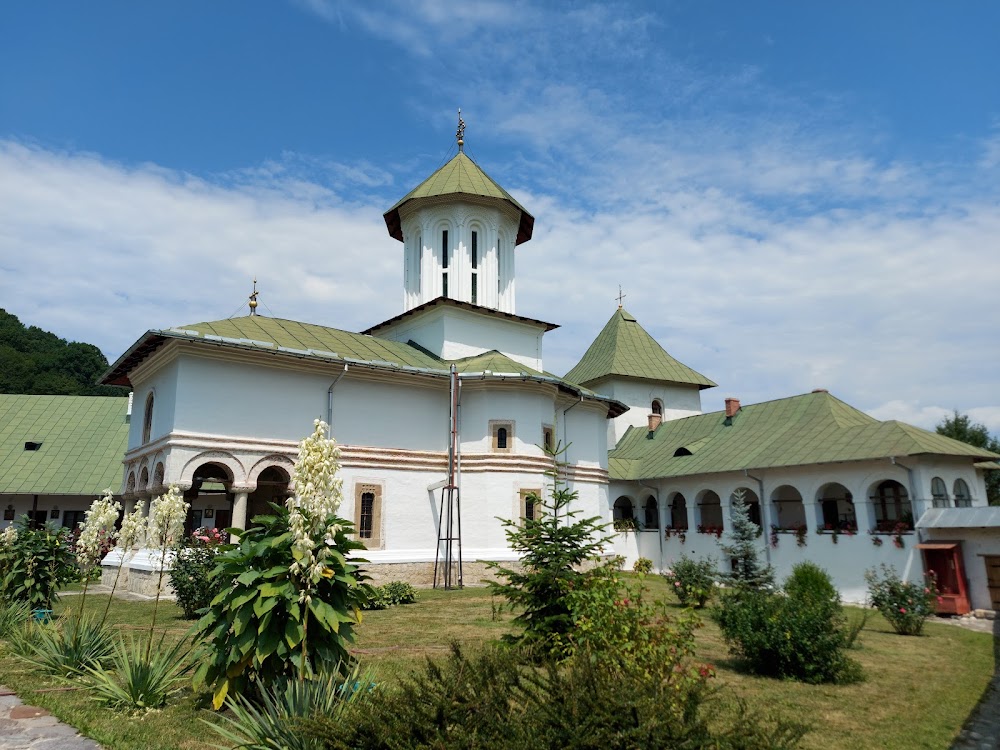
point(38, 362)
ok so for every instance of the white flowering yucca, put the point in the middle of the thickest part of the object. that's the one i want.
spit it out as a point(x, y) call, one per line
point(8, 536)
point(98, 528)
point(133, 530)
point(167, 514)
point(312, 510)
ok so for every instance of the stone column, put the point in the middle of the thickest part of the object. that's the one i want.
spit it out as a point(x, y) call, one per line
point(240, 513)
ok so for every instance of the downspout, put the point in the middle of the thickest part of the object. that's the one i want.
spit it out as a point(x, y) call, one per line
point(329, 401)
point(765, 515)
point(565, 445)
point(659, 518)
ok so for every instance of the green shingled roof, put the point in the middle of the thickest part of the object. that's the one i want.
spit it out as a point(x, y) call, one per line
point(83, 440)
point(623, 348)
point(460, 176)
point(813, 428)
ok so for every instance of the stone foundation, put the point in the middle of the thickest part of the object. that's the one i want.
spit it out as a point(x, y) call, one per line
point(421, 574)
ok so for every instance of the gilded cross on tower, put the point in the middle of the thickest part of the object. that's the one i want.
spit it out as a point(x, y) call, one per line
point(620, 296)
point(253, 298)
point(460, 133)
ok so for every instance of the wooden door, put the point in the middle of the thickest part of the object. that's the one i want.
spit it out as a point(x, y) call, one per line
point(993, 579)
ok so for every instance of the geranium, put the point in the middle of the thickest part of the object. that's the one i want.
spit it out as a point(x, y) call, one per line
point(313, 506)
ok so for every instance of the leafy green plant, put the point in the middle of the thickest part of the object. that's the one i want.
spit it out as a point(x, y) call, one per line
point(800, 633)
point(280, 720)
point(13, 616)
point(905, 605)
point(36, 562)
point(190, 575)
point(552, 546)
point(693, 581)
point(140, 677)
point(389, 595)
point(643, 565)
point(253, 632)
point(69, 646)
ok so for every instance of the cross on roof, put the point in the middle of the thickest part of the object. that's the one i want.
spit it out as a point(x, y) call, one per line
point(620, 296)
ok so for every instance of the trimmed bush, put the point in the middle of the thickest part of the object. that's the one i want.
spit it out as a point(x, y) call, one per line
point(693, 581)
point(193, 564)
point(905, 605)
point(801, 633)
point(389, 595)
point(643, 565)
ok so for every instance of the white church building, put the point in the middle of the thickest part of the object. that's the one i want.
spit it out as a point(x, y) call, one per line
point(447, 407)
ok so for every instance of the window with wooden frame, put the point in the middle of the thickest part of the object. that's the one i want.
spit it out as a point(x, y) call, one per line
point(962, 497)
point(147, 418)
point(501, 436)
point(939, 493)
point(368, 514)
point(531, 504)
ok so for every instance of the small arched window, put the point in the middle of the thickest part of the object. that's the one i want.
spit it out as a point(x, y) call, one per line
point(939, 493)
point(501, 437)
point(962, 497)
point(657, 407)
point(651, 513)
point(368, 514)
point(147, 418)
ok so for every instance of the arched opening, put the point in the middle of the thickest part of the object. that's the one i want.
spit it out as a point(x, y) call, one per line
point(623, 510)
point(837, 506)
point(272, 487)
point(651, 514)
point(752, 502)
point(939, 493)
point(657, 407)
point(130, 484)
point(502, 438)
point(709, 511)
point(789, 512)
point(211, 498)
point(678, 512)
point(892, 506)
point(143, 478)
point(158, 475)
point(963, 499)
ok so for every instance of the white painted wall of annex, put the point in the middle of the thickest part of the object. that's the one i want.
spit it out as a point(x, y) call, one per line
point(162, 382)
point(846, 560)
point(678, 401)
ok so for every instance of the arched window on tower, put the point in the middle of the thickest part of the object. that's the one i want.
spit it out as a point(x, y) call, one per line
point(962, 497)
point(657, 407)
point(444, 263)
point(147, 418)
point(475, 267)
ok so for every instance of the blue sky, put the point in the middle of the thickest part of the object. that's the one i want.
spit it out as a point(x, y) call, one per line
point(792, 196)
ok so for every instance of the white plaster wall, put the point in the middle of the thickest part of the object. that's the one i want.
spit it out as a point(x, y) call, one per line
point(163, 383)
point(581, 428)
point(452, 333)
point(846, 561)
point(526, 406)
point(383, 413)
point(678, 401)
point(22, 504)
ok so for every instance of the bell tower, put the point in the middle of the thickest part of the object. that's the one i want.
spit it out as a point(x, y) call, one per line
point(459, 229)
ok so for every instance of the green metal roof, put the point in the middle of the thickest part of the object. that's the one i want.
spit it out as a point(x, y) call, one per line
point(460, 176)
point(319, 343)
point(83, 440)
point(623, 348)
point(814, 428)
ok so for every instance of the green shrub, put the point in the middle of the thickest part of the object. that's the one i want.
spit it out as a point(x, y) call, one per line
point(253, 632)
point(389, 595)
point(36, 562)
point(904, 604)
point(800, 633)
point(492, 700)
point(68, 647)
point(190, 575)
point(643, 565)
point(140, 677)
point(693, 581)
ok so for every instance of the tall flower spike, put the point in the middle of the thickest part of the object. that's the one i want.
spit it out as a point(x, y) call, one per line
point(167, 514)
point(99, 524)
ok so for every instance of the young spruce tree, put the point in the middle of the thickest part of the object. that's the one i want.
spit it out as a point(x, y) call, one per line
point(748, 570)
point(552, 547)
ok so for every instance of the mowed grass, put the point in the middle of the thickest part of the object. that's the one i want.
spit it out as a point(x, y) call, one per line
point(917, 694)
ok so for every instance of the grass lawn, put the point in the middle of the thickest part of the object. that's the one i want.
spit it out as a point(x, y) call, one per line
point(917, 695)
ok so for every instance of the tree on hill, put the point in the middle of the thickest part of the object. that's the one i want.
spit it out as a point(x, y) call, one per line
point(34, 361)
point(961, 427)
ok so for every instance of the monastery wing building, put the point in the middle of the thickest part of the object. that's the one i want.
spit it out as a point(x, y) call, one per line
point(444, 411)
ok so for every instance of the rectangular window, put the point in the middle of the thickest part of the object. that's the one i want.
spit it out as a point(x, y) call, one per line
point(548, 438)
point(368, 514)
point(531, 504)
